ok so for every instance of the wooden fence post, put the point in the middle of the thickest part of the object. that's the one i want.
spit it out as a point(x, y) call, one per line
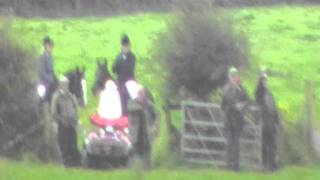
point(309, 113)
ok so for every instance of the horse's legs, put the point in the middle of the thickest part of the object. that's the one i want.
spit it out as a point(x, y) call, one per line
point(63, 143)
point(144, 149)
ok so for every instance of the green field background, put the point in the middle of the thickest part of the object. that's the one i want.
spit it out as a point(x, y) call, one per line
point(284, 39)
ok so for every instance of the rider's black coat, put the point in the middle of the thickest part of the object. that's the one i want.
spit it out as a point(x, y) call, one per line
point(46, 75)
point(124, 66)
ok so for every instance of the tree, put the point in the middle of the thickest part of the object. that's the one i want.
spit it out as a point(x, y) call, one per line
point(198, 52)
point(18, 108)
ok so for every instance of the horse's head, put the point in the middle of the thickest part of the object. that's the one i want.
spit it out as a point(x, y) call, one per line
point(78, 85)
point(102, 74)
point(261, 88)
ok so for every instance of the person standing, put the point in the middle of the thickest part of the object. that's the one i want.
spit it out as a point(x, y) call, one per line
point(234, 101)
point(46, 76)
point(65, 114)
point(124, 68)
point(270, 123)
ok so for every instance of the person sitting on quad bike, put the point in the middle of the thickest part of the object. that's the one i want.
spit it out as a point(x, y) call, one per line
point(110, 102)
point(124, 68)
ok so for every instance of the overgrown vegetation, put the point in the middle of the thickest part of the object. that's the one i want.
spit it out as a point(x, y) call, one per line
point(197, 54)
point(284, 39)
point(18, 100)
point(72, 8)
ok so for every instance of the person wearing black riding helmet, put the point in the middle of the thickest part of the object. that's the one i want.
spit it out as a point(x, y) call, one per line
point(124, 68)
point(46, 74)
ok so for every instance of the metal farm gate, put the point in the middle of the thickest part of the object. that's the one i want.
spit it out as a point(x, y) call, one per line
point(203, 140)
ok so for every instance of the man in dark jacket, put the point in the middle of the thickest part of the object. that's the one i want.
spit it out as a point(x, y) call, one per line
point(124, 67)
point(234, 101)
point(271, 123)
point(64, 111)
point(46, 76)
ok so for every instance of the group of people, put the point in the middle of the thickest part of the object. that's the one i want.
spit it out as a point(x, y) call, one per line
point(235, 101)
point(63, 105)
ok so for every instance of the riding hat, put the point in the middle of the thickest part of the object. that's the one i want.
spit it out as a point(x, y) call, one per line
point(125, 40)
point(47, 40)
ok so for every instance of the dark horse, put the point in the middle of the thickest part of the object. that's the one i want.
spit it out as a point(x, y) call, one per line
point(270, 123)
point(102, 75)
point(142, 120)
point(77, 86)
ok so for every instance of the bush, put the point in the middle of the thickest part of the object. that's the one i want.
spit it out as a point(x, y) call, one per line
point(17, 103)
point(62, 8)
point(197, 54)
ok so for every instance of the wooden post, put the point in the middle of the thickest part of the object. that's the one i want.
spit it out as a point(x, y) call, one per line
point(168, 123)
point(309, 112)
point(173, 133)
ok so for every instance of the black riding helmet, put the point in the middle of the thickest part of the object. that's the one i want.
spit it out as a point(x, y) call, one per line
point(47, 40)
point(125, 40)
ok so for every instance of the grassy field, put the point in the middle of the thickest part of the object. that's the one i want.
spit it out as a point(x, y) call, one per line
point(8, 171)
point(79, 42)
point(284, 39)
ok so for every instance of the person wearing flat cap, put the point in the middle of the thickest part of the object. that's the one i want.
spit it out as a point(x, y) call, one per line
point(64, 111)
point(234, 101)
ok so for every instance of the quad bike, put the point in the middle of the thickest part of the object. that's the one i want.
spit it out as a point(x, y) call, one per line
point(108, 146)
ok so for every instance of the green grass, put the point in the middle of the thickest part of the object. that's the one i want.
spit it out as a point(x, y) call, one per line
point(79, 42)
point(284, 39)
point(21, 171)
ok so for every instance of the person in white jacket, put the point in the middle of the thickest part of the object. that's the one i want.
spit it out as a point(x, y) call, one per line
point(110, 102)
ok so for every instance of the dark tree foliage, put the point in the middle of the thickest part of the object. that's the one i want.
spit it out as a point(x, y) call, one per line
point(17, 102)
point(62, 8)
point(198, 54)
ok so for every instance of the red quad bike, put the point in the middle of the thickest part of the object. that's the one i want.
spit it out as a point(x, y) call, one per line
point(109, 146)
